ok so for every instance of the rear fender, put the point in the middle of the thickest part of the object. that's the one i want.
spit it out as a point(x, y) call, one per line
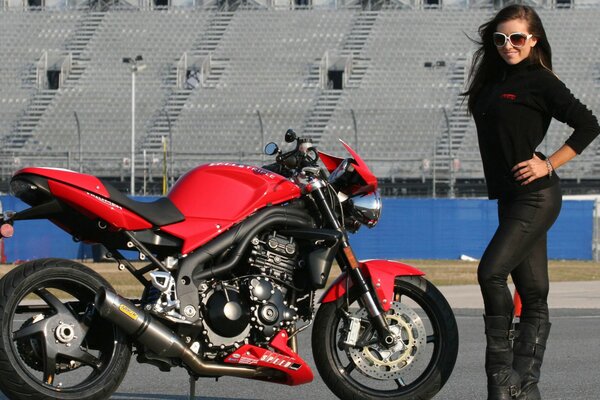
point(381, 273)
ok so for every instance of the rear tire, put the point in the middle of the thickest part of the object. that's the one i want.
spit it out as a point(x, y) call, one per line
point(420, 315)
point(53, 343)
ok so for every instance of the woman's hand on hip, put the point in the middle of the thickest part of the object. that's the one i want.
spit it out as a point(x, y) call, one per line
point(528, 171)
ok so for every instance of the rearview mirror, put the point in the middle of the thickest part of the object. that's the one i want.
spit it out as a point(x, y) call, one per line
point(271, 149)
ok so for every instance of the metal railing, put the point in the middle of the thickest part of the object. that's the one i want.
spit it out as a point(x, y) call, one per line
point(116, 165)
point(65, 69)
point(41, 69)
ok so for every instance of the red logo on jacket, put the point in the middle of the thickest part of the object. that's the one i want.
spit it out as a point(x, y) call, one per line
point(508, 96)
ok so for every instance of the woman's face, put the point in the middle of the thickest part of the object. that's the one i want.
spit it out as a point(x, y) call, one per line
point(510, 54)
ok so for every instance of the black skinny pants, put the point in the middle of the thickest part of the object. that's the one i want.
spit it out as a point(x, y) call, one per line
point(519, 248)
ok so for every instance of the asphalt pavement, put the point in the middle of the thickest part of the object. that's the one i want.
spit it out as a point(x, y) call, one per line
point(578, 295)
point(570, 370)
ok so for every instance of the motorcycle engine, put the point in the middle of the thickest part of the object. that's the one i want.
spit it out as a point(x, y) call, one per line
point(255, 307)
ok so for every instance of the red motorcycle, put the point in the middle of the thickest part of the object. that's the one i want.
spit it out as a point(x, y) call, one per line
point(234, 256)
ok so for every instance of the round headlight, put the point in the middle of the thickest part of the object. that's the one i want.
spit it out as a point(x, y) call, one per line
point(367, 209)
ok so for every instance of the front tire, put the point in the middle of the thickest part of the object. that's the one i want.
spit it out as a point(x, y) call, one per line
point(53, 343)
point(415, 369)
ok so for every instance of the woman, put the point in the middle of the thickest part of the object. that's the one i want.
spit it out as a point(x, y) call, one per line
point(513, 95)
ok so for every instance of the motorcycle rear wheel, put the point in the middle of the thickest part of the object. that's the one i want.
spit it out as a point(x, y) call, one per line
point(415, 369)
point(53, 343)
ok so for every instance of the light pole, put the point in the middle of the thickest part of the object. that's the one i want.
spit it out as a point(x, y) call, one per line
point(79, 137)
point(262, 137)
point(451, 163)
point(355, 129)
point(171, 179)
point(135, 67)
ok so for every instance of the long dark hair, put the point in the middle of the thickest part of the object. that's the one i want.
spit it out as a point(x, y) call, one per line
point(488, 66)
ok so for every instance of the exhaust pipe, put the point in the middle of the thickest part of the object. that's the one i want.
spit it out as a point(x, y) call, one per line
point(162, 341)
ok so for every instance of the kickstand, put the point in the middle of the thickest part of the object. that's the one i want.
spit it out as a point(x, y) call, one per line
point(192, 387)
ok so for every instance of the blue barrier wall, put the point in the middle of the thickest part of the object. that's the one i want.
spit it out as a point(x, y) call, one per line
point(409, 228)
point(449, 228)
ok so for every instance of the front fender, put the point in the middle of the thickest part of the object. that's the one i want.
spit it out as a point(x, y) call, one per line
point(381, 273)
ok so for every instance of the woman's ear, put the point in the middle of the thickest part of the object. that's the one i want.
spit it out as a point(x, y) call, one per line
point(533, 41)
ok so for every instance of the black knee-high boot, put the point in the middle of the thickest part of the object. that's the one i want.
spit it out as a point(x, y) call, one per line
point(504, 383)
point(529, 348)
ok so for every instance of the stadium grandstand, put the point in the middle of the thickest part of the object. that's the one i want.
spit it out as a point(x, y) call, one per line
point(218, 80)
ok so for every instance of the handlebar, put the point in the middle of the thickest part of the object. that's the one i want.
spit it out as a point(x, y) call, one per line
point(290, 162)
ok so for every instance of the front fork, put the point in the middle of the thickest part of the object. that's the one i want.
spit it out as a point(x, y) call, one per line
point(347, 261)
point(370, 303)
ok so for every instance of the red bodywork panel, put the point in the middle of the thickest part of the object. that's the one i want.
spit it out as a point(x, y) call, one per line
point(83, 181)
point(381, 273)
point(94, 206)
point(215, 196)
point(331, 163)
point(89, 196)
point(284, 359)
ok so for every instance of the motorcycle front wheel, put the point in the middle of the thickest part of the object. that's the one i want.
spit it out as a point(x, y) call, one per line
point(53, 342)
point(353, 363)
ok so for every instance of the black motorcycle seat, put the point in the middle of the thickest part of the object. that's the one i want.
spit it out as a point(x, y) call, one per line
point(160, 212)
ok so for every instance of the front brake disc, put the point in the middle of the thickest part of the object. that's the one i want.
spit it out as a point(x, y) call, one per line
point(378, 362)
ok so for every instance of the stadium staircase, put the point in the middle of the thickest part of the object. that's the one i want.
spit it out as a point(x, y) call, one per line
point(42, 99)
point(76, 46)
point(314, 74)
point(28, 121)
point(328, 100)
point(321, 113)
point(356, 42)
point(85, 32)
point(162, 123)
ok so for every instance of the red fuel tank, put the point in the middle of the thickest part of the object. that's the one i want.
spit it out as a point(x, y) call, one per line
point(215, 196)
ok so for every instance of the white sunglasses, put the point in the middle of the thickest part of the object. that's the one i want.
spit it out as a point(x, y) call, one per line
point(516, 39)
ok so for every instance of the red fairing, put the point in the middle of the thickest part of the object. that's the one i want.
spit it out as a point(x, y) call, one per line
point(382, 274)
point(94, 206)
point(84, 181)
point(215, 196)
point(363, 170)
point(88, 195)
point(331, 163)
point(284, 359)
